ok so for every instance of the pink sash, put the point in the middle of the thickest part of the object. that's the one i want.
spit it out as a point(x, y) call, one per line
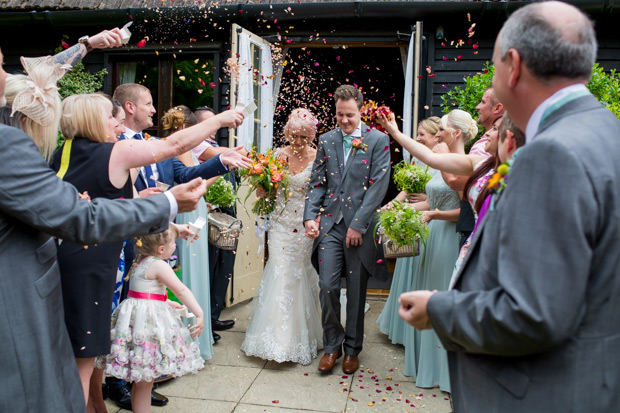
point(147, 296)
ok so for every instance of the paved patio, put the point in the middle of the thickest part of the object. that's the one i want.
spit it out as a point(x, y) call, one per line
point(234, 382)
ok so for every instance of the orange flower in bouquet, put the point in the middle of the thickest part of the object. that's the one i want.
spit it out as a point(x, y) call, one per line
point(269, 173)
point(370, 111)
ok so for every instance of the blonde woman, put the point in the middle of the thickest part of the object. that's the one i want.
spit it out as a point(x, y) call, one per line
point(425, 357)
point(285, 324)
point(389, 321)
point(94, 162)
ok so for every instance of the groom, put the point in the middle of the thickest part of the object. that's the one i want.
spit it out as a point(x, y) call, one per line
point(349, 179)
point(533, 321)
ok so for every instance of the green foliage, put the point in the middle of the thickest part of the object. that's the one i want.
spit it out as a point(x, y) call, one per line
point(410, 178)
point(403, 224)
point(468, 96)
point(221, 193)
point(606, 88)
point(79, 80)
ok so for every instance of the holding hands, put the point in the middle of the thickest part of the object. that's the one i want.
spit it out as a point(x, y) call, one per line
point(312, 228)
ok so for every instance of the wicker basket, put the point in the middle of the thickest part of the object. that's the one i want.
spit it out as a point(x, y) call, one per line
point(224, 230)
point(391, 250)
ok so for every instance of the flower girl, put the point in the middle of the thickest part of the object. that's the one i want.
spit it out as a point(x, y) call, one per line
point(149, 339)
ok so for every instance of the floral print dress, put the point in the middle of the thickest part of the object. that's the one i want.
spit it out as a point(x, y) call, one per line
point(149, 339)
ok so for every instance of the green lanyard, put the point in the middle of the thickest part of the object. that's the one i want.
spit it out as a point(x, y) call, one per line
point(562, 102)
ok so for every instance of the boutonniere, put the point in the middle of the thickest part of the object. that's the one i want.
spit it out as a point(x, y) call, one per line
point(358, 145)
point(146, 136)
point(497, 182)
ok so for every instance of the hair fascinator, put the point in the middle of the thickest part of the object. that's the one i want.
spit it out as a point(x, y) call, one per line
point(36, 101)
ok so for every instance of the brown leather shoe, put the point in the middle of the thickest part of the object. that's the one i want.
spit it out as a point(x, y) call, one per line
point(327, 361)
point(350, 364)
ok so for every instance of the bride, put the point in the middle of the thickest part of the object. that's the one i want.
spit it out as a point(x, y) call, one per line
point(285, 324)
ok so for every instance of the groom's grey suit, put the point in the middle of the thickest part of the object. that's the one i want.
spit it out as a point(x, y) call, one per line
point(356, 189)
point(38, 371)
point(533, 324)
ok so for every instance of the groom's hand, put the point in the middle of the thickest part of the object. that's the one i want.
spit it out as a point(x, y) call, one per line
point(312, 229)
point(354, 238)
point(413, 308)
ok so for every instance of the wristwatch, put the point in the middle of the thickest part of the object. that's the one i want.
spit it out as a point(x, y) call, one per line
point(86, 43)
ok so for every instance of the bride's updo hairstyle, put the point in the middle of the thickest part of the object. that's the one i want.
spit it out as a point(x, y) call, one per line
point(300, 122)
point(177, 117)
point(460, 120)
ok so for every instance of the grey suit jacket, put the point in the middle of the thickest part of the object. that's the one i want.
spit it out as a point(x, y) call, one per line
point(357, 188)
point(38, 372)
point(533, 324)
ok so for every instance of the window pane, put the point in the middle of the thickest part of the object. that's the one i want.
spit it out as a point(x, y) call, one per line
point(191, 85)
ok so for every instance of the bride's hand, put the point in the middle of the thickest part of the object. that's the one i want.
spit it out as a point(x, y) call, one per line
point(261, 193)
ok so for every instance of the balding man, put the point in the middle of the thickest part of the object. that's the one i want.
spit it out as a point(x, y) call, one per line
point(533, 321)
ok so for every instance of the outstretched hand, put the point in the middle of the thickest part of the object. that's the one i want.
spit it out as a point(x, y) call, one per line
point(388, 122)
point(234, 158)
point(106, 39)
point(230, 118)
point(188, 194)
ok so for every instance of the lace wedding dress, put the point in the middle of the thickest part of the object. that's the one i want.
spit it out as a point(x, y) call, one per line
point(285, 324)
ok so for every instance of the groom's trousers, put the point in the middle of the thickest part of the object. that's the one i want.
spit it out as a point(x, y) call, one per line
point(336, 261)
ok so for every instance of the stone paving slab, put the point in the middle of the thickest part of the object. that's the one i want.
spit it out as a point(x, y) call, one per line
point(235, 383)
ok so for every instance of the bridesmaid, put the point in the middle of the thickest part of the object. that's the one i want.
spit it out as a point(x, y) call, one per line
point(389, 321)
point(425, 357)
point(193, 257)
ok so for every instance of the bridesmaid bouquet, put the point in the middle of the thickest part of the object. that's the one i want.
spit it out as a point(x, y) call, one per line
point(268, 172)
point(403, 224)
point(371, 110)
point(221, 193)
point(410, 177)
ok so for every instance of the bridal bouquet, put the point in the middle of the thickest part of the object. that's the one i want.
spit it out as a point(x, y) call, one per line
point(269, 173)
point(410, 177)
point(221, 193)
point(371, 110)
point(403, 224)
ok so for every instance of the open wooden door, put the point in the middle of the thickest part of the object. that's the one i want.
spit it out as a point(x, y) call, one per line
point(252, 82)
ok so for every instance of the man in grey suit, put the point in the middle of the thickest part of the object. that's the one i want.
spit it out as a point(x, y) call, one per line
point(349, 179)
point(39, 373)
point(533, 321)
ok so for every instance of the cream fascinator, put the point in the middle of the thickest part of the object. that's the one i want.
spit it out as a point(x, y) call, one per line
point(36, 101)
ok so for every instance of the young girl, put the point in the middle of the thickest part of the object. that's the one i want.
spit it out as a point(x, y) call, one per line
point(148, 338)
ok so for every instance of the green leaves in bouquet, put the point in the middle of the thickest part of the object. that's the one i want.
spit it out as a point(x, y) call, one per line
point(402, 224)
point(411, 178)
point(221, 193)
point(267, 172)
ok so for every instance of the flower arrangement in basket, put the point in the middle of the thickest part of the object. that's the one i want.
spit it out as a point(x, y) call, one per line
point(401, 228)
point(410, 177)
point(268, 172)
point(224, 230)
point(221, 193)
point(371, 110)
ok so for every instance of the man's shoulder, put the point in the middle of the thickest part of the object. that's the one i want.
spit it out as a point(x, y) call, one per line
point(329, 134)
point(10, 131)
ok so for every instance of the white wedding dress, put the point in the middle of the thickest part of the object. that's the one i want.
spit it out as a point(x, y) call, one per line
point(285, 324)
